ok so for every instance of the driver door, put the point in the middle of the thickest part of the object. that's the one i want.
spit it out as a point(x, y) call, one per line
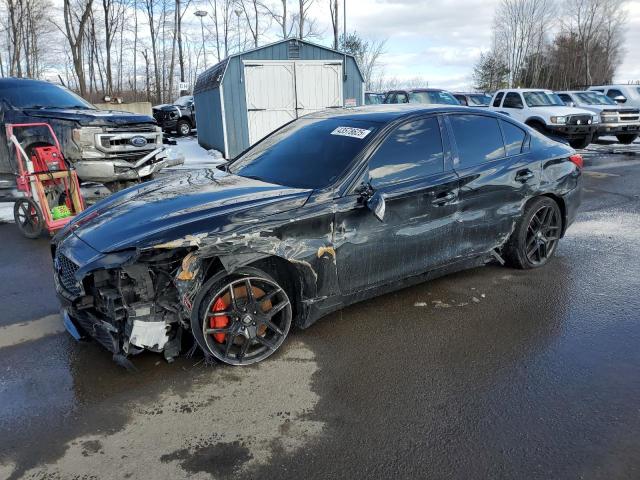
point(412, 170)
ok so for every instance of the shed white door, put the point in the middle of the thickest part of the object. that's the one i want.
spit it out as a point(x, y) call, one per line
point(278, 92)
point(271, 97)
point(318, 86)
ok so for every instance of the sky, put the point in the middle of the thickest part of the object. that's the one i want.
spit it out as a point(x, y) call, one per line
point(441, 40)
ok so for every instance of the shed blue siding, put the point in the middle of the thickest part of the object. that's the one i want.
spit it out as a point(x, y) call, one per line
point(233, 89)
point(209, 119)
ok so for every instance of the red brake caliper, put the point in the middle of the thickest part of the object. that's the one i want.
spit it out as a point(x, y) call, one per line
point(219, 322)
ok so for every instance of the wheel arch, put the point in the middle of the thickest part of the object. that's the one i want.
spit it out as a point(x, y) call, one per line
point(531, 121)
point(296, 277)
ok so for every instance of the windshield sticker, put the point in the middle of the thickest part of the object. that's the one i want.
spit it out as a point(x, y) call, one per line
point(351, 132)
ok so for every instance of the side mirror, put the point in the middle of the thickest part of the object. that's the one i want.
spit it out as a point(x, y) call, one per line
point(620, 99)
point(377, 205)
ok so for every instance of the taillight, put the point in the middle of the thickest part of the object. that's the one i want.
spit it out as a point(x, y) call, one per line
point(577, 160)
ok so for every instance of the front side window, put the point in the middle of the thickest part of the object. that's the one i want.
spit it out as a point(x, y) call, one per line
point(478, 139)
point(307, 153)
point(513, 137)
point(498, 99)
point(411, 151)
point(479, 100)
point(513, 100)
point(566, 98)
point(613, 93)
point(185, 101)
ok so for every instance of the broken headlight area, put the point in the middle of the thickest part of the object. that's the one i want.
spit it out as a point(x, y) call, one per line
point(135, 307)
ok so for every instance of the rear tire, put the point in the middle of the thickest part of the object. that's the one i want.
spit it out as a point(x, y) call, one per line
point(580, 143)
point(627, 138)
point(535, 237)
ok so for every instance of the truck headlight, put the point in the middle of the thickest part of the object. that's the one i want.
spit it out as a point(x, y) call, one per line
point(85, 137)
point(559, 120)
point(595, 120)
point(608, 118)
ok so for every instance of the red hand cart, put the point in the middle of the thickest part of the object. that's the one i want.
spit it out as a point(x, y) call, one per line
point(51, 191)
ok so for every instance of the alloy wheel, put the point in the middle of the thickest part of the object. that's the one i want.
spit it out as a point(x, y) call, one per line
point(543, 234)
point(246, 320)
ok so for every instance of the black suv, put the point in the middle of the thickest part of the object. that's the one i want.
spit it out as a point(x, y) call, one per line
point(179, 117)
point(104, 146)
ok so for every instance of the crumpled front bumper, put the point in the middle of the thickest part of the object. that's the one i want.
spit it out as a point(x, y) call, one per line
point(110, 170)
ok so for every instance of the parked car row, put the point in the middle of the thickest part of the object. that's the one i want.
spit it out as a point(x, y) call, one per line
point(578, 117)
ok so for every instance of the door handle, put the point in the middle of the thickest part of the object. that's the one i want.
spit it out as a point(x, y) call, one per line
point(444, 198)
point(524, 176)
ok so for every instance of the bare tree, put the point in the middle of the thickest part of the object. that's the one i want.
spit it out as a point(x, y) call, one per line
point(154, 21)
point(76, 16)
point(333, 10)
point(519, 27)
point(282, 16)
point(250, 9)
point(366, 52)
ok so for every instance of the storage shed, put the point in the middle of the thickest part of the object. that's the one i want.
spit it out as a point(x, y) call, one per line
point(248, 95)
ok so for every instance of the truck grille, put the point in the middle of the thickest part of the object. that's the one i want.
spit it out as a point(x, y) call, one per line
point(579, 120)
point(123, 139)
point(629, 115)
point(66, 271)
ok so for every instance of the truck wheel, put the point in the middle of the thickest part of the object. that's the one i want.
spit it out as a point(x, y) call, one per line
point(579, 143)
point(183, 127)
point(627, 138)
point(28, 217)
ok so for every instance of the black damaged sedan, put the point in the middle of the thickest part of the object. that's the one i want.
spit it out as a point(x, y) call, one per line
point(331, 209)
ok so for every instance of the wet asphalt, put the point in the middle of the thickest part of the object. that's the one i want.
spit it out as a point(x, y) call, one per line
point(490, 373)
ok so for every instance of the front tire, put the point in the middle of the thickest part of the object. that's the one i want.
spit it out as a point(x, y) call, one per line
point(580, 143)
point(627, 138)
point(536, 235)
point(241, 318)
point(183, 128)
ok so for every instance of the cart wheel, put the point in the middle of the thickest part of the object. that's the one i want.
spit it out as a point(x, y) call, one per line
point(28, 217)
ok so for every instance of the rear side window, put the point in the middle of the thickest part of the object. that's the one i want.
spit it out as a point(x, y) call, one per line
point(498, 99)
point(513, 137)
point(613, 93)
point(413, 150)
point(513, 100)
point(478, 139)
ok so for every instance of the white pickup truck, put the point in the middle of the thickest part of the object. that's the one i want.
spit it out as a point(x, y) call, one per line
point(544, 111)
point(621, 121)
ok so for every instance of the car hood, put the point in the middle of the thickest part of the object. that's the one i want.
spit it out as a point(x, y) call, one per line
point(167, 210)
point(556, 111)
point(166, 107)
point(91, 117)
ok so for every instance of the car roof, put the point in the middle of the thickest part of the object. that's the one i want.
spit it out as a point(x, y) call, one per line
point(386, 113)
point(417, 90)
point(20, 82)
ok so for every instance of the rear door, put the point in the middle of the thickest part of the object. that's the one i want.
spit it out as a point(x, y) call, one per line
point(318, 86)
point(412, 169)
point(497, 176)
point(270, 95)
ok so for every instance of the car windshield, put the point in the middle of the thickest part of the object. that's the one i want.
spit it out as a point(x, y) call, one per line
point(184, 101)
point(306, 153)
point(43, 95)
point(373, 98)
point(594, 98)
point(480, 100)
point(542, 99)
point(433, 96)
